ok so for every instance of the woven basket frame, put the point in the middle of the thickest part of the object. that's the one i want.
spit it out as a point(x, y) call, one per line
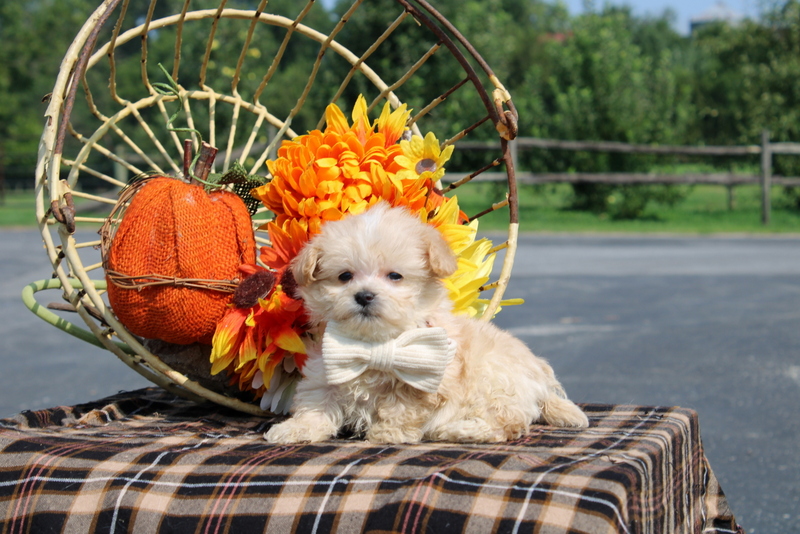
point(60, 167)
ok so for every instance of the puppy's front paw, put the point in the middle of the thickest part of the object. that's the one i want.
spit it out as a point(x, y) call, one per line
point(296, 430)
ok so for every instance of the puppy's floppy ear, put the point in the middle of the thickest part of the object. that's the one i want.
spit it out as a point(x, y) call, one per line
point(441, 259)
point(304, 265)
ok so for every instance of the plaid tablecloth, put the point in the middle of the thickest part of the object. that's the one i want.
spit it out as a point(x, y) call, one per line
point(147, 462)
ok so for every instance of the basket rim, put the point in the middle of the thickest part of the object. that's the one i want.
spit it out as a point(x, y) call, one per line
point(81, 56)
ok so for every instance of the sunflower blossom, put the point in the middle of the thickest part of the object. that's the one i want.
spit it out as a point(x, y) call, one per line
point(423, 157)
point(251, 343)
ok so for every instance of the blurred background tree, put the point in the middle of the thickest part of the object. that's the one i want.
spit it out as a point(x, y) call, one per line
point(611, 77)
point(606, 74)
point(33, 38)
point(746, 80)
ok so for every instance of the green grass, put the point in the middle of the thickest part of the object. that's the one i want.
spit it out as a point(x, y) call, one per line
point(18, 209)
point(704, 211)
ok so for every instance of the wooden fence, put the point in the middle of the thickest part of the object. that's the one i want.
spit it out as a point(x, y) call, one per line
point(766, 149)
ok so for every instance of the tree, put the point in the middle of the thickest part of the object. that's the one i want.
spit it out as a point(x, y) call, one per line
point(747, 82)
point(615, 78)
point(34, 35)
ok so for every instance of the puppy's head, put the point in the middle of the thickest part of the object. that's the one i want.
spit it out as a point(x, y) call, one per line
point(376, 274)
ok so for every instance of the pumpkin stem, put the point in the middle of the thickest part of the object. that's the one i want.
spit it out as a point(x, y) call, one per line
point(187, 157)
point(204, 163)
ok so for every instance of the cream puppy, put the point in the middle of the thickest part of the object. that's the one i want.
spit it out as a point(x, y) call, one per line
point(370, 280)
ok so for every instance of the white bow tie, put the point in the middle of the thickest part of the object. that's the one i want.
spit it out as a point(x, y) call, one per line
point(417, 357)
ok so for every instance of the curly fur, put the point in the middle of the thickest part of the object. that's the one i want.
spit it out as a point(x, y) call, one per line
point(492, 390)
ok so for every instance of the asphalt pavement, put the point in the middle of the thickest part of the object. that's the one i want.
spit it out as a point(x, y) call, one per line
point(711, 324)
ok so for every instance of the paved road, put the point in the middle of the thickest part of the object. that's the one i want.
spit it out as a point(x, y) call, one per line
point(708, 324)
point(42, 366)
point(705, 323)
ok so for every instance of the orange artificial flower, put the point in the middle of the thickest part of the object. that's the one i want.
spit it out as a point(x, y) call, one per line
point(250, 342)
point(325, 175)
point(286, 244)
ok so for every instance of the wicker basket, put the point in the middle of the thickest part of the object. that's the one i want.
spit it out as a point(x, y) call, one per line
point(101, 127)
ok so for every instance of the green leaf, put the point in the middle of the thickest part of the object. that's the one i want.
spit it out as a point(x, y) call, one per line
point(242, 183)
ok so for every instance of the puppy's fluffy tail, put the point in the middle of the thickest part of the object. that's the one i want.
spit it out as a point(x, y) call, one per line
point(559, 411)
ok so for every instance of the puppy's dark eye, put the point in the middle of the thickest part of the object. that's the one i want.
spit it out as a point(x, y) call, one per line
point(346, 276)
point(395, 276)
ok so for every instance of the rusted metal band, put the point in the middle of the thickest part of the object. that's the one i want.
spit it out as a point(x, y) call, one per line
point(78, 72)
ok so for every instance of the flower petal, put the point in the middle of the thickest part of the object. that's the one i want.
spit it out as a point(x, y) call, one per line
point(288, 340)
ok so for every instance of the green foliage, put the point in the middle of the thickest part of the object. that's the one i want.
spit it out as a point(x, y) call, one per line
point(596, 82)
point(747, 78)
point(747, 81)
point(616, 78)
point(603, 75)
point(791, 198)
point(34, 35)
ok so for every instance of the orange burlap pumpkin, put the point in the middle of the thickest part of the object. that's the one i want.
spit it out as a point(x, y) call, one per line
point(176, 230)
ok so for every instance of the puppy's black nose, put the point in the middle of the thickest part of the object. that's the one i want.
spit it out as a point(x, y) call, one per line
point(364, 298)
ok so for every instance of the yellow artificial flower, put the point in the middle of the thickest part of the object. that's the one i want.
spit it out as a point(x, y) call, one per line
point(423, 157)
point(392, 123)
point(475, 260)
point(474, 268)
point(448, 220)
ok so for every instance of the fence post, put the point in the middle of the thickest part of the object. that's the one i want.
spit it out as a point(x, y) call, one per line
point(766, 176)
